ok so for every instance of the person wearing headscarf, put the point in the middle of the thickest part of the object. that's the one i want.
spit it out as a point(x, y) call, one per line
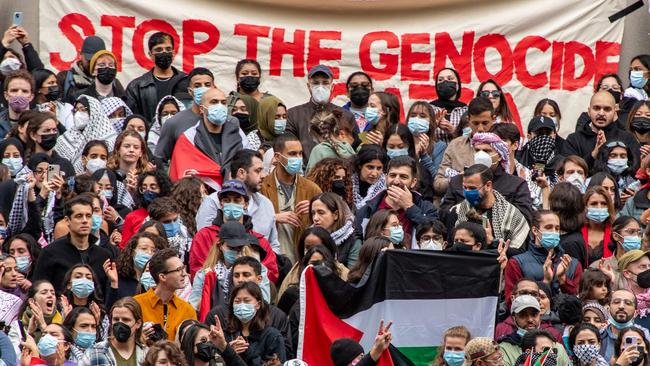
point(111, 107)
point(90, 123)
point(12, 154)
point(246, 110)
point(166, 109)
point(271, 123)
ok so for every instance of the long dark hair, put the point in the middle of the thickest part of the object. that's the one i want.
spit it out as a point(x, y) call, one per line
point(322, 234)
point(590, 278)
point(566, 201)
point(96, 296)
point(261, 319)
point(574, 333)
point(621, 336)
point(502, 109)
point(368, 253)
point(71, 319)
point(189, 339)
point(404, 133)
point(600, 164)
point(33, 248)
point(598, 179)
point(328, 258)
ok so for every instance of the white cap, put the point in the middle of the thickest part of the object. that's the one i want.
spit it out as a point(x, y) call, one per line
point(524, 302)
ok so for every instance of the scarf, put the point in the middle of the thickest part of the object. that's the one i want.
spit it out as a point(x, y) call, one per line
point(48, 216)
point(81, 80)
point(497, 144)
point(154, 132)
point(72, 142)
point(112, 104)
point(449, 105)
point(373, 190)
point(343, 233)
point(507, 221)
point(123, 196)
point(644, 303)
point(18, 214)
point(223, 274)
point(542, 148)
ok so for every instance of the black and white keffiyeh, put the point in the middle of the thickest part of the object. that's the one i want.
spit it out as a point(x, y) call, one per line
point(373, 191)
point(110, 105)
point(542, 148)
point(18, 213)
point(72, 142)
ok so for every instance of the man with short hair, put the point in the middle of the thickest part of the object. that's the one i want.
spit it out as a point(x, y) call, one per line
point(165, 210)
point(319, 83)
point(160, 305)
point(289, 192)
point(503, 219)
point(630, 265)
point(248, 269)
point(80, 76)
point(399, 195)
point(622, 314)
point(573, 169)
point(18, 92)
point(602, 130)
point(144, 92)
point(248, 168)
point(526, 314)
point(77, 247)
point(460, 152)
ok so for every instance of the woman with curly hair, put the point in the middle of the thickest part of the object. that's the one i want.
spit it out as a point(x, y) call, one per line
point(326, 128)
point(333, 175)
point(188, 194)
point(164, 353)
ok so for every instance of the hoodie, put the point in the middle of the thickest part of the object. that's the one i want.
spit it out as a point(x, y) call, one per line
point(583, 141)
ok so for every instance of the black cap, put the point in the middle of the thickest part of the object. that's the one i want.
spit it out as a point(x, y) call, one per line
point(540, 122)
point(344, 351)
point(320, 69)
point(234, 234)
point(91, 45)
point(256, 243)
point(234, 186)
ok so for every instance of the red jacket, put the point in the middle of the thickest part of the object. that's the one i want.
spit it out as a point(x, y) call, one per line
point(206, 238)
point(508, 326)
point(132, 224)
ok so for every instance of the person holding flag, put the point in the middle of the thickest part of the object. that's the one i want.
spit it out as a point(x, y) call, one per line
point(346, 351)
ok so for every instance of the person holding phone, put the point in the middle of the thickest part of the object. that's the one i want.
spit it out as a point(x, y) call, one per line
point(631, 348)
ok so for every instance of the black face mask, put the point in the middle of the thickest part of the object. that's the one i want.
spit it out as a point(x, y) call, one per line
point(249, 83)
point(205, 351)
point(460, 247)
point(163, 60)
point(121, 332)
point(244, 122)
point(48, 141)
point(640, 124)
point(338, 187)
point(359, 96)
point(640, 359)
point(616, 95)
point(106, 75)
point(52, 93)
point(446, 89)
point(643, 279)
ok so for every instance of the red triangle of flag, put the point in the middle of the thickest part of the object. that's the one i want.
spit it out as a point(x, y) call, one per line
point(186, 156)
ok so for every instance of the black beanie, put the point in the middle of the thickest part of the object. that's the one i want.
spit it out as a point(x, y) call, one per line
point(344, 351)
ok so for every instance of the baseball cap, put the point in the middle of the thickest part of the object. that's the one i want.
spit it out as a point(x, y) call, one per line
point(524, 302)
point(234, 234)
point(480, 347)
point(253, 241)
point(630, 257)
point(540, 122)
point(91, 45)
point(234, 186)
point(320, 69)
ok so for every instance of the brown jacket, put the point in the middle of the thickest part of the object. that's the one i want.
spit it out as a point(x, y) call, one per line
point(305, 190)
point(299, 119)
point(458, 155)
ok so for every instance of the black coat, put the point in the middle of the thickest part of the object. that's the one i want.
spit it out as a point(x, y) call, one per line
point(574, 245)
point(262, 345)
point(142, 97)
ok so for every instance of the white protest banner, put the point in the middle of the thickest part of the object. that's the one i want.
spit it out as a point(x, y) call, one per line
point(534, 49)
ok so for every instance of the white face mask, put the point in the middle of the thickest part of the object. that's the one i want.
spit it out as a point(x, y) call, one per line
point(94, 165)
point(9, 65)
point(483, 158)
point(431, 245)
point(81, 120)
point(578, 181)
point(142, 134)
point(164, 119)
point(320, 94)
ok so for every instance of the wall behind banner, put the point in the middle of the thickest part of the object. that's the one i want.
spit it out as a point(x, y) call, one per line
point(635, 38)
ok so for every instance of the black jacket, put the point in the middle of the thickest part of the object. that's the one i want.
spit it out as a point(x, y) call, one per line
point(262, 345)
point(583, 141)
point(118, 91)
point(513, 188)
point(58, 257)
point(142, 97)
point(574, 245)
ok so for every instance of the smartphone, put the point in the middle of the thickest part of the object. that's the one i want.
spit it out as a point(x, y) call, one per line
point(18, 18)
point(486, 224)
point(629, 341)
point(52, 171)
point(23, 336)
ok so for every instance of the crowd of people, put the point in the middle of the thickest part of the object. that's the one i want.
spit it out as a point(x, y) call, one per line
point(106, 260)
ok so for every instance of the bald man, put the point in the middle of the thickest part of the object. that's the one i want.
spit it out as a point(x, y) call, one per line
point(601, 131)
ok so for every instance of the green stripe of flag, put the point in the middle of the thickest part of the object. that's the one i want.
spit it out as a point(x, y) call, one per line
point(420, 356)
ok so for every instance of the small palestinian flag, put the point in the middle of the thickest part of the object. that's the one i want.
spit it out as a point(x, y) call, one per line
point(186, 156)
point(422, 292)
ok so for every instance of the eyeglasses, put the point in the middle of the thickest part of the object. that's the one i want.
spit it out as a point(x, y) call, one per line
point(613, 87)
point(179, 269)
point(487, 93)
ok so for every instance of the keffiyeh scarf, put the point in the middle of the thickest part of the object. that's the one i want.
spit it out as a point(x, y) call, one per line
point(343, 233)
point(72, 142)
point(156, 127)
point(542, 148)
point(110, 105)
point(18, 214)
point(374, 189)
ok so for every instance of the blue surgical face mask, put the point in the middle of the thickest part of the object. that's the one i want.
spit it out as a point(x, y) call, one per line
point(393, 153)
point(108, 194)
point(230, 256)
point(620, 326)
point(97, 222)
point(140, 259)
point(294, 166)
point(172, 228)
point(396, 234)
point(148, 196)
point(617, 166)
point(549, 240)
point(14, 164)
point(631, 243)
point(85, 339)
point(371, 115)
point(454, 358)
point(597, 214)
point(3, 232)
point(233, 211)
point(473, 196)
point(279, 125)
point(82, 287)
point(23, 263)
point(637, 80)
point(217, 114)
point(47, 345)
point(244, 312)
point(418, 125)
point(146, 280)
point(198, 94)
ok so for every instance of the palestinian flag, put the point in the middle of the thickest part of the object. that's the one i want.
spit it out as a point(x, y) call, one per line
point(187, 156)
point(422, 292)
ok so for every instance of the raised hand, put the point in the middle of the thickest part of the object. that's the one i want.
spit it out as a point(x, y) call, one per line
point(217, 336)
point(382, 340)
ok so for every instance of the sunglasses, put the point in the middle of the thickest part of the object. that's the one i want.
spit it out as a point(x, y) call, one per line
point(493, 94)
